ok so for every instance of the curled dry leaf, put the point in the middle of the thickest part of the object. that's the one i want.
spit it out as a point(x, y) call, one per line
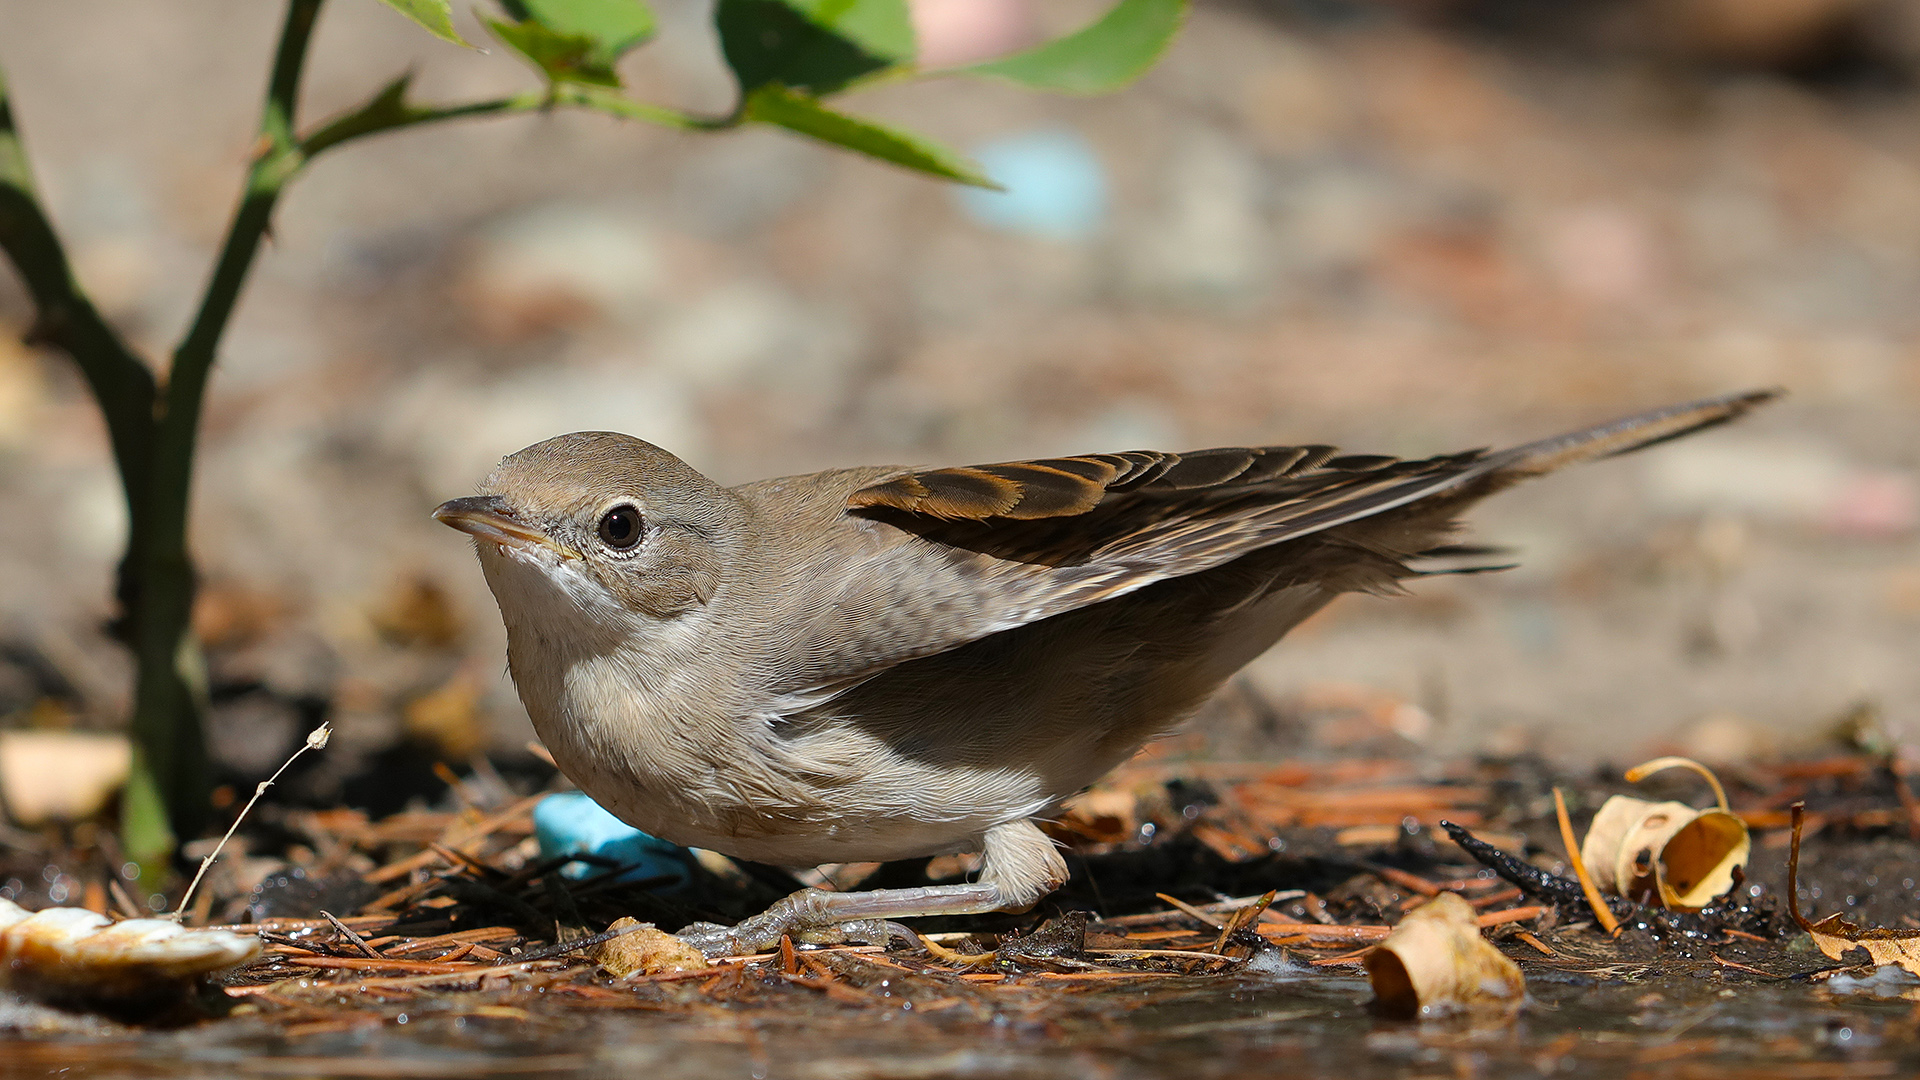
point(646, 951)
point(1435, 962)
point(1666, 851)
point(1836, 936)
point(71, 954)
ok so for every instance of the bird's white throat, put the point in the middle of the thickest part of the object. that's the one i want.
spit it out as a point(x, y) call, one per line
point(556, 597)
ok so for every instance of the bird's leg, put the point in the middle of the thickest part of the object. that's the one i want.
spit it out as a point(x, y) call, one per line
point(1018, 867)
point(815, 915)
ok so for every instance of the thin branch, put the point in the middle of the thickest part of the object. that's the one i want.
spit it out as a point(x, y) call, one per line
point(614, 103)
point(64, 317)
point(193, 358)
point(277, 163)
point(171, 757)
point(389, 110)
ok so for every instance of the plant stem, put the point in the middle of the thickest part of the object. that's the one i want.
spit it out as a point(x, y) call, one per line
point(122, 384)
point(170, 763)
point(389, 111)
point(154, 428)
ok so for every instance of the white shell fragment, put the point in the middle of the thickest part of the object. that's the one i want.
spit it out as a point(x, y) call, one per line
point(72, 953)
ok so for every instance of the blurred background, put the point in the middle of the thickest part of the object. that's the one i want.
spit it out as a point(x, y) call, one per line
point(1403, 226)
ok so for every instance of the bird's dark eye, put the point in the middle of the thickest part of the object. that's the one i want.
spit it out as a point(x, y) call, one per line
point(620, 527)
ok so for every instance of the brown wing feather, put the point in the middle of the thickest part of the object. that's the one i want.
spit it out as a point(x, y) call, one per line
point(1141, 508)
point(1018, 542)
point(1068, 487)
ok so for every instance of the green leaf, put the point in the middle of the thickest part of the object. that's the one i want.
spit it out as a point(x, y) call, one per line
point(561, 57)
point(800, 113)
point(881, 27)
point(1103, 57)
point(814, 45)
point(614, 26)
point(435, 15)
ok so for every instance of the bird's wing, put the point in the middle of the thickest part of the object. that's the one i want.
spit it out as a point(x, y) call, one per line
point(975, 550)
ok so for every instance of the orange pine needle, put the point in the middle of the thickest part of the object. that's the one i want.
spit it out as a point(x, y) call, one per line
point(1600, 909)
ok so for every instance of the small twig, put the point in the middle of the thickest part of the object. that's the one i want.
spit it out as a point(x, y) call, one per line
point(1908, 803)
point(316, 740)
point(1518, 914)
point(565, 947)
point(566, 914)
point(1317, 909)
point(1225, 907)
point(815, 966)
point(1645, 769)
point(1240, 920)
point(1192, 912)
point(1799, 810)
point(1183, 954)
point(832, 988)
point(1528, 937)
point(352, 935)
point(480, 892)
point(461, 858)
point(468, 838)
point(1271, 927)
point(1501, 897)
point(123, 900)
point(951, 956)
point(1594, 899)
point(1724, 962)
point(1411, 882)
point(1353, 957)
point(1529, 878)
point(391, 901)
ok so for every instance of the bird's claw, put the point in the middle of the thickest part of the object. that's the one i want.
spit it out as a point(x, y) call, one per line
point(802, 917)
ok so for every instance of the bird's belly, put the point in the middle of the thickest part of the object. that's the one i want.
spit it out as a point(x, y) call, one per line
point(775, 803)
point(858, 842)
point(822, 831)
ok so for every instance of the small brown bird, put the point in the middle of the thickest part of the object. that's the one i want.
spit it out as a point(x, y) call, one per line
point(882, 663)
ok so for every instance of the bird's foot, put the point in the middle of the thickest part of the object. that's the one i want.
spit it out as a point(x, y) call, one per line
point(819, 917)
point(761, 933)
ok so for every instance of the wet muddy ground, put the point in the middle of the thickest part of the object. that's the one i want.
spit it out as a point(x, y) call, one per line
point(451, 968)
point(1307, 1024)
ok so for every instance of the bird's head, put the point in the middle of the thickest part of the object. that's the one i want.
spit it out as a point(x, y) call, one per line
point(599, 532)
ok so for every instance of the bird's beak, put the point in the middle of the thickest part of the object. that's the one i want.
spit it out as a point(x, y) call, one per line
point(487, 517)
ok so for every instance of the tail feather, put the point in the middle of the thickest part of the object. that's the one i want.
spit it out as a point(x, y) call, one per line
point(1625, 435)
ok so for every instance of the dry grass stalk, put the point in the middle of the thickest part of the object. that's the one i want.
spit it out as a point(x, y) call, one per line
point(1594, 899)
point(316, 740)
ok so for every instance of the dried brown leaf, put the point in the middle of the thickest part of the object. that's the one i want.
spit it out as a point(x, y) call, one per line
point(1835, 935)
point(1435, 962)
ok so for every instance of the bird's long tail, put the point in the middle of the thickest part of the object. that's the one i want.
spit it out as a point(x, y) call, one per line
point(1622, 436)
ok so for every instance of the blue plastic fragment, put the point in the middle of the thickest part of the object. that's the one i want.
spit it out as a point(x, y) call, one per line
point(570, 823)
point(1056, 186)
